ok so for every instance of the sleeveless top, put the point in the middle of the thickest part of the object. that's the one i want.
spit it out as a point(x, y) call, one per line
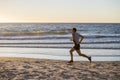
point(77, 38)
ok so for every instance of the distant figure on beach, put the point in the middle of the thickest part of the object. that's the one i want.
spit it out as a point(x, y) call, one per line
point(77, 39)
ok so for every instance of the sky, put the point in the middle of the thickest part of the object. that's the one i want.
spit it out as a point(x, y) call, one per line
point(79, 11)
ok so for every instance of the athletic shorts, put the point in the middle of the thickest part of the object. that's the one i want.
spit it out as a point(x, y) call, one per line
point(76, 46)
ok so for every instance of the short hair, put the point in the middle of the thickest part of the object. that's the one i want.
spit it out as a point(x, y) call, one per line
point(75, 29)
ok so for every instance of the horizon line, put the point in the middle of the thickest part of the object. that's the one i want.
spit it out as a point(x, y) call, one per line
point(62, 22)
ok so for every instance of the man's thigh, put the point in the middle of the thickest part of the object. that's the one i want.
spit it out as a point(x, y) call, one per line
point(72, 49)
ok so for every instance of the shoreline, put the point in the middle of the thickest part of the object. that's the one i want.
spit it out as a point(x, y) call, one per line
point(60, 54)
point(12, 68)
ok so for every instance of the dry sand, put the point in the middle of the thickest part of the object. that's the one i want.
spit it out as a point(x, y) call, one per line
point(42, 69)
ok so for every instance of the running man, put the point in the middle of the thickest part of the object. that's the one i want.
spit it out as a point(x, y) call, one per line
point(77, 39)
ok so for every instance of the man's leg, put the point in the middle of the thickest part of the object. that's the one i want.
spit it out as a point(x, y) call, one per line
point(80, 54)
point(71, 54)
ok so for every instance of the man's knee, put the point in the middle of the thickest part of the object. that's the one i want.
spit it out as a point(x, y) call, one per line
point(80, 54)
point(71, 51)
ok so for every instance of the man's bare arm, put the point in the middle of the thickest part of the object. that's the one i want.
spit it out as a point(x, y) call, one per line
point(81, 37)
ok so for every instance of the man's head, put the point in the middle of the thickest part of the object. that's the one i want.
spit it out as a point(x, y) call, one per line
point(74, 30)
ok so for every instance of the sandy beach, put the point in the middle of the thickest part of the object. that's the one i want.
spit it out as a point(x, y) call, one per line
point(44, 69)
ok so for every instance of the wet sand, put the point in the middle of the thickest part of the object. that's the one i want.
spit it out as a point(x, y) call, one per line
point(44, 69)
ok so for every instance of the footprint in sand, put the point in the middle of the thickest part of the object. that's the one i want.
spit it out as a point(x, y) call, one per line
point(27, 67)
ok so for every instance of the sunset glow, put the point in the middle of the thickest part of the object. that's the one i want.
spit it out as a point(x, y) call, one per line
point(2, 19)
point(60, 11)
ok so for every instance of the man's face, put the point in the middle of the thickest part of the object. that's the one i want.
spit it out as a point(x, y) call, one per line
point(73, 31)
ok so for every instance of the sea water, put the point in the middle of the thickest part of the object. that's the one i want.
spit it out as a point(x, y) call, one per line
point(101, 40)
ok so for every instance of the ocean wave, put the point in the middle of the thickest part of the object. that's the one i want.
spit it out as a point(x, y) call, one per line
point(25, 33)
point(60, 47)
point(58, 36)
point(55, 42)
point(96, 36)
point(84, 46)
